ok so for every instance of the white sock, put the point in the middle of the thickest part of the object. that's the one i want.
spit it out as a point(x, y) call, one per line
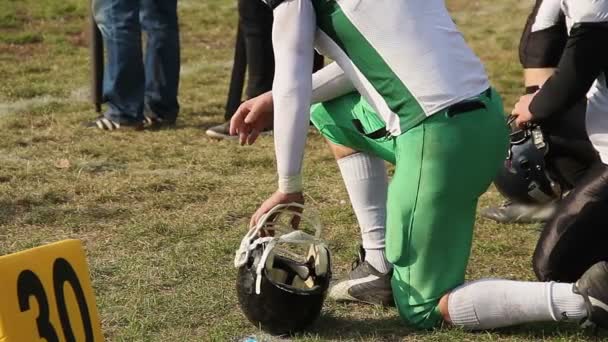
point(367, 183)
point(488, 303)
point(377, 258)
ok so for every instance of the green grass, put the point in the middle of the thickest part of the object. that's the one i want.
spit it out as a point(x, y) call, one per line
point(161, 212)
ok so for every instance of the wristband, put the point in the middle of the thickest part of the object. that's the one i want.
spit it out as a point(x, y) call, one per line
point(290, 184)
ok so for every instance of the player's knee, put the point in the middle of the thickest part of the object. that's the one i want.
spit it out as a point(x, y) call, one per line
point(425, 316)
point(414, 309)
point(548, 266)
point(542, 266)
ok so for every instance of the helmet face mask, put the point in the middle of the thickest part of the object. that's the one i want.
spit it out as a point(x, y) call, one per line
point(524, 177)
point(283, 276)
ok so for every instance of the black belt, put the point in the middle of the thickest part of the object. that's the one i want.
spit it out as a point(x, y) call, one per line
point(468, 105)
point(453, 110)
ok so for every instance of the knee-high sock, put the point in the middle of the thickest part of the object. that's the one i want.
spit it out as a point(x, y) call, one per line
point(488, 303)
point(366, 183)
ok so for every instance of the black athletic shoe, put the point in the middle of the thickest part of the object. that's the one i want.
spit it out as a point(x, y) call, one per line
point(154, 121)
point(364, 284)
point(510, 212)
point(106, 124)
point(222, 131)
point(593, 286)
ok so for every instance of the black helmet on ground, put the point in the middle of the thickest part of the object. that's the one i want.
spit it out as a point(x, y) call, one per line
point(283, 276)
point(523, 177)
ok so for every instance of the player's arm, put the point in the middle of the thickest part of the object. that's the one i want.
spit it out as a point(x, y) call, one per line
point(584, 58)
point(255, 115)
point(329, 83)
point(293, 41)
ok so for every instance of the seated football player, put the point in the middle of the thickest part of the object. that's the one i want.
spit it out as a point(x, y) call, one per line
point(570, 154)
point(405, 88)
point(575, 237)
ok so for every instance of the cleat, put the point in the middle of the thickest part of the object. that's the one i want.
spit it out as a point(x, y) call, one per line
point(593, 286)
point(364, 284)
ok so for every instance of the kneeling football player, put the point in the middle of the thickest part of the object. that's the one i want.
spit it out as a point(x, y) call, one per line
point(406, 89)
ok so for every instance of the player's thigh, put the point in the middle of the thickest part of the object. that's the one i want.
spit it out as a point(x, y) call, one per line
point(443, 166)
point(429, 229)
point(575, 238)
point(345, 120)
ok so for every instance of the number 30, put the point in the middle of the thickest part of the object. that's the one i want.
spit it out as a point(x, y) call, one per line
point(28, 284)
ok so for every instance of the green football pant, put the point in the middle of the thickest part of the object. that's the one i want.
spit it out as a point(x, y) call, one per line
point(442, 166)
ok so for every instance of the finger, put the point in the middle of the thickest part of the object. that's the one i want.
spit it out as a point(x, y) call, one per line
point(253, 116)
point(515, 110)
point(237, 121)
point(254, 219)
point(295, 222)
point(253, 136)
point(243, 135)
point(257, 112)
point(295, 219)
point(234, 127)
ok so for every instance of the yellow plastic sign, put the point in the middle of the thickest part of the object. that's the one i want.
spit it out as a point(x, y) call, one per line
point(46, 295)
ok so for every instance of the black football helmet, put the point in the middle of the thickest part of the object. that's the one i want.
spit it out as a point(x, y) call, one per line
point(283, 273)
point(523, 177)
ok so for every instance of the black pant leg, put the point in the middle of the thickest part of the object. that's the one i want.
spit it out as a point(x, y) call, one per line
point(256, 24)
point(577, 236)
point(237, 78)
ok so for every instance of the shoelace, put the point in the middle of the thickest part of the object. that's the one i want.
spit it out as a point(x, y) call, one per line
point(359, 260)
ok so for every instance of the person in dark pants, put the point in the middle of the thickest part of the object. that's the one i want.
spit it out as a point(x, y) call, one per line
point(139, 92)
point(253, 51)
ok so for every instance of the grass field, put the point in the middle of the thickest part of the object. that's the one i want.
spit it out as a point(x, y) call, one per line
point(161, 212)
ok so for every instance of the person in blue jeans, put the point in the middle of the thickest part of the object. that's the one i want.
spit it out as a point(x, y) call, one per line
point(139, 92)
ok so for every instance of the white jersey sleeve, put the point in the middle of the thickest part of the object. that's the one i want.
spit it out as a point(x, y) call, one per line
point(293, 40)
point(547, 15)
point(329, 83)
point(585, 11)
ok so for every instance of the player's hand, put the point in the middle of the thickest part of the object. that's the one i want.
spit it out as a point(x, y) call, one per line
point(252, 117)
point(522, 110)
point(276, 199)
